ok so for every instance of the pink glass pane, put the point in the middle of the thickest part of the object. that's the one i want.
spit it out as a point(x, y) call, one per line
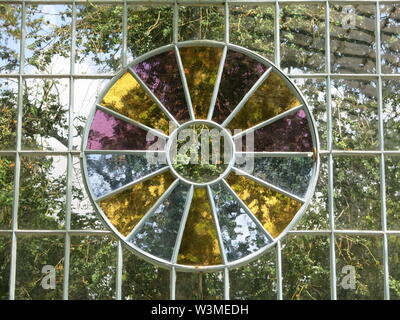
point(290, 133)
point(240, 74)
point(161, 74)
point(110, 133)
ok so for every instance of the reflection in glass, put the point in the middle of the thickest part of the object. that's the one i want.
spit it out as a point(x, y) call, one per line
point(274, 210)
point(199, 244)
point(127, 97)
point(199, 286)
point(291, 133)
point(270, 99)
point(290, 174)
point(392, 173)
point(391, 113)
point(110, 133)
point(107, 172)
point(7, 165)
point(201, 68)
point(390, 39)
point(240, 235)
point(240, 74)
point(5, 261)
point(158, 234)
point(125, 209)
point(161, 74)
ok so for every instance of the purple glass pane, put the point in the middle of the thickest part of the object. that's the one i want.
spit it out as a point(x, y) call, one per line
point(110, 133)
point(240, 74)
point(290, 133)
point(161, 74)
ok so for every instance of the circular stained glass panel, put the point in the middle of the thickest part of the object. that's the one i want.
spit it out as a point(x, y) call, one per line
point(200, 155)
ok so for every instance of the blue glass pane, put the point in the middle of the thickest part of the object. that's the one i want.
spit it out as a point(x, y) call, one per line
point(157, 235)
point(240, 234)
point(107, 172)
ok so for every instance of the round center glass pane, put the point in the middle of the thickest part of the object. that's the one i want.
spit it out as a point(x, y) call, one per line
point(200, 152)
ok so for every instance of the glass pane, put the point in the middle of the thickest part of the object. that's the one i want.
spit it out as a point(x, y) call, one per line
point(302, 38)
point(197, 23)
point(256, 280)
point(110, 133)
point(390, 40)
point(274, 210)
point(143, 281)
point(240, 235)
point(127, 97)
point(85, 95)
point(291, 133)
point(92, 271)
point(45, 114)
point(48, 43)
point(10, 24)
point(239, 75)
point(125, 209)
point(8, 109)
point(98, 44)
point(290, 174)
point(199, 286)
point(199, 244)
point(353, 38)
point(7, 165)
point(359, 259)
point(158, 235)
point(270, 99)
point(252, 27)
point(107, 172)
point(355, 114)
point(33, 254)
point(305, 268)
point(5, 260)
point(314, 91)
point(201, 68)
point(161, 75)
point(394, 267)
point(392, 173)
point(391, 114)
point(148, 28)
point(42, 192)
point(357, 193)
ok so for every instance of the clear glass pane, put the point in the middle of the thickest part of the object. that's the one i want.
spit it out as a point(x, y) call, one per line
point(392, 173)
point(391, 114)
point(45, 114)
point(8, 109)
point(92, 271)
point(252, 27)
point(10, 30)
point(359, 258)
point(302, 38)
point(305, 268)
point(196, 23)
point(7, 165)
point(33, 254)
point(390, 37)
point(355, 114)
point(5, 260)
point(42, 192)
point(353, 38)
point(48, 39)
point(158, 234)
point(394, 267)
point(199, 286)
point(357, 193)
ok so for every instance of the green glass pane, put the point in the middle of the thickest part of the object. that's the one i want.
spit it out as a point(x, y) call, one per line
point(5, 260)
point(7, 165)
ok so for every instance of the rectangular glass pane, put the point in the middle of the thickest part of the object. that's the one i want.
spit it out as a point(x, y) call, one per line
point(390, 37)
point(93, 262)
point(391, 114)
point(10, 30)
point(199, 286)
point(359, 268)
point(357, 193)
point(394, 267)
point(305, 268)
point(252, 27)
point(42, 192)
point(40, 268)
point(7, 165)
point(5, 260)
point(8, 109)
point(302, 38)
point(392, 173)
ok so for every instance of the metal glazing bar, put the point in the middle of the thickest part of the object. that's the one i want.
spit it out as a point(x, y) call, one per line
point(172, 284)
point(226, 284)
point(279, 286)
point(262, 154)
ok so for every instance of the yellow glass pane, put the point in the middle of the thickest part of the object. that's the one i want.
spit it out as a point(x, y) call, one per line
point(124, 210)
point(273, 209)
point(201, 68)
point(199, 244)
point(128, 98)
point(270, 99)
